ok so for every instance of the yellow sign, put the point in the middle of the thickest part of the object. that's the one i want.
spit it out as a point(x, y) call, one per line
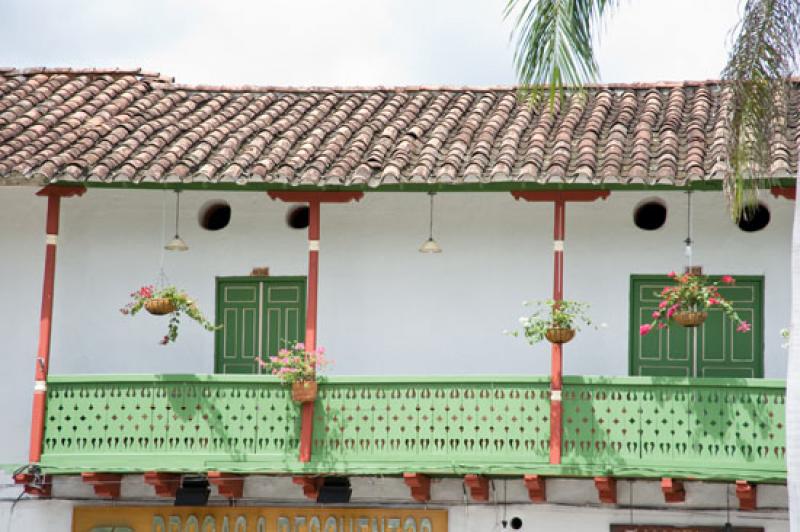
point(251, 519)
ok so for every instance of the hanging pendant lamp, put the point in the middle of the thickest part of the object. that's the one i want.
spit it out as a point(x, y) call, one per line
point(430, 245)
point(177, 243)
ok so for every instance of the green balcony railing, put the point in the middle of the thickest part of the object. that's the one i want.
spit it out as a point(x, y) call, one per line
point(637, 427)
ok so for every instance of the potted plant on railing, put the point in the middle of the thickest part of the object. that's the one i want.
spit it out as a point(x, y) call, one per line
point(556, 321)
point(688, 301)
point(296, 366)
point(163, 301)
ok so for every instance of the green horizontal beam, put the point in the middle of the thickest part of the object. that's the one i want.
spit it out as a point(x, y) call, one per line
point(56, 465)
point(269, 379)
point(725, 382)
point(506, 186)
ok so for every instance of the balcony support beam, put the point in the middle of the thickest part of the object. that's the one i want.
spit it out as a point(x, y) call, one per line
point(310, 485)
point(53, 194)
point(789, 193)
point(747, 495)
point(36, 485)
point(559, 199)
point(420, 486)
point(229, 485)
point(673, 490)
point(314, 199)
point(478, 487)
point(536, 488)
point(606, 489)
point(165, 484)
point(106, 485)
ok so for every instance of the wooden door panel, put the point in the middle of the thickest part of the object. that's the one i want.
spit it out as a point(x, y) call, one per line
point(721, 351)
point(257, 315)
point(236, 343)
point(284, 315)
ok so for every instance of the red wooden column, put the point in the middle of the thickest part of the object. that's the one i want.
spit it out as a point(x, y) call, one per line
point(314, 200)
point(307, 413)
point(54, 194)
point(559, 199)
point(556, 350)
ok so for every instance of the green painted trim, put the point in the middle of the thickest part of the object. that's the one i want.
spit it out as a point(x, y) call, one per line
point(425, 379)
point(269, 379)
point(251, 278)
point(194, 463)
point(713, 382)
point(631, 323)
point(711, 185)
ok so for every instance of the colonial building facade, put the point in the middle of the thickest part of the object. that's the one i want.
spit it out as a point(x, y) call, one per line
point(303, 211)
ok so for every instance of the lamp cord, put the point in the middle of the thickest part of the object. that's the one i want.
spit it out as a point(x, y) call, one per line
point(177, 210)
point(430, 227)
point(688, 240)
point(162, 276)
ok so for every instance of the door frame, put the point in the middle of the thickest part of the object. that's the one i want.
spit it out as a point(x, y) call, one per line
point(633, 331)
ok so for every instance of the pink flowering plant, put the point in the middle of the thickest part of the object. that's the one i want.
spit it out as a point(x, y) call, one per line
point(692, 293)
point(294, 363)
point(181, 302)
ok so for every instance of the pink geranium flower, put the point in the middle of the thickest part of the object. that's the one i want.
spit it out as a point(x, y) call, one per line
point(743, 327)
point(713, 301)
point(656, 314)
point(644, 329)
point(727, 279)
point(672, 275)
point(663, 303)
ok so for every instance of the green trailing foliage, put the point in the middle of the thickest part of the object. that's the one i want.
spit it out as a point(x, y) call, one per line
point(182, 305)
point(551, 314)
point(555, 52)
point(758, 76)
point(554, 44)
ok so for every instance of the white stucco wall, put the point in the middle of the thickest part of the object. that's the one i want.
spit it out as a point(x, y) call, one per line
point(384, 307)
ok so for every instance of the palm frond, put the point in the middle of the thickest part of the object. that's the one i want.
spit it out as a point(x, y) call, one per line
point(554, 43)
point(763, 58)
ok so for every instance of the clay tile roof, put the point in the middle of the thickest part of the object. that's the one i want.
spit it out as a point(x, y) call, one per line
point(126, 125)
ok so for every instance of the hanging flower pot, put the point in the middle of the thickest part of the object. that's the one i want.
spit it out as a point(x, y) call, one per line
point(168, 300)
point(554, 321)
point(159, 306)
point(304, 391)
point(695, 292)
point(690, 319)
point(557, 335)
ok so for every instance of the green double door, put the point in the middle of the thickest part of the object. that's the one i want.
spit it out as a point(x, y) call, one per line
point(714, 349)
point(258, 315)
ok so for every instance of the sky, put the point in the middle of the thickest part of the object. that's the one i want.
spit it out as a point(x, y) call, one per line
point(348, 42)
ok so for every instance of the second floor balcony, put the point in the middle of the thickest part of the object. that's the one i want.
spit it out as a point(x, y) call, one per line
point(637, 427)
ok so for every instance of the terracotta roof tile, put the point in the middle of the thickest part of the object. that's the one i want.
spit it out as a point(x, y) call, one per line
point(131, 126)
